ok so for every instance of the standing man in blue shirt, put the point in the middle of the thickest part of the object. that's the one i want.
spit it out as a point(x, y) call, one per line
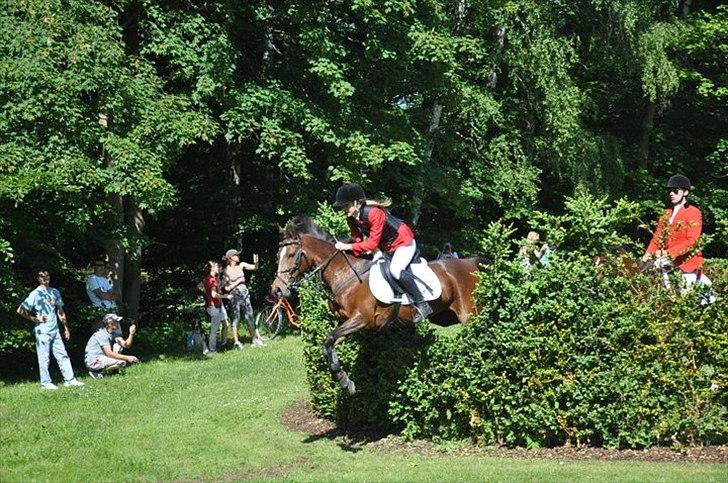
point(99, 289)
point(44, 308)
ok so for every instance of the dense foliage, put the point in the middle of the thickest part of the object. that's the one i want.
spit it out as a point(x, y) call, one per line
point(164, 132)
point(574, 355)
point(574, 352)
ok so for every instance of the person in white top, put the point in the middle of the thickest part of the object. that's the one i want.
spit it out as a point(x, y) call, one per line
point(234, 283)
point(99, 288)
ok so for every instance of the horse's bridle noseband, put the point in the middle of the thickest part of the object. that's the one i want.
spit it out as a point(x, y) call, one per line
point(292, 284)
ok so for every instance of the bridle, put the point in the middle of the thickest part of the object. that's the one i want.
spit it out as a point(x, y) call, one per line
point(292, 283)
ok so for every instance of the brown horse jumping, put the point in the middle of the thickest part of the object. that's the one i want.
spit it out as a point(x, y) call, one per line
point(306, 249)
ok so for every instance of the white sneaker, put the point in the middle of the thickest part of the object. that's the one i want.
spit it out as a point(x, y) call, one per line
point(96, 374)
point(258, 343)
point(238, 345)
point(49, 386)
point(74, 383)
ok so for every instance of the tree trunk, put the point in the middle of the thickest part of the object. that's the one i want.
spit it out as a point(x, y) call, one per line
point(460, 15)
point(500, 39)
point(233, 160)
point(686, 7)
point(133, 267)
point(112, 246)
point(426, 162)
point(648, 123)
point(114, 250)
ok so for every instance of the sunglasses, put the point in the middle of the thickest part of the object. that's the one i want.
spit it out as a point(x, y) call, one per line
point(673, 190)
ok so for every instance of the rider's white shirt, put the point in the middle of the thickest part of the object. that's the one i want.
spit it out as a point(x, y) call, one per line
point(676, 209)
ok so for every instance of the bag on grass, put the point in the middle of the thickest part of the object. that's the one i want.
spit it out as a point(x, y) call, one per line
point(195, 340)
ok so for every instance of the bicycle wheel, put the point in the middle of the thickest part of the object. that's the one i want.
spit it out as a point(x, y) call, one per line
point(269, 329)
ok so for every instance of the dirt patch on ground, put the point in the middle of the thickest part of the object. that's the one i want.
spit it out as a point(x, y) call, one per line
point(709, 454)
point(299, 417)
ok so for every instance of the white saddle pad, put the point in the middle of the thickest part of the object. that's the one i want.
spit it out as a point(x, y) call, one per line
point(430, 289)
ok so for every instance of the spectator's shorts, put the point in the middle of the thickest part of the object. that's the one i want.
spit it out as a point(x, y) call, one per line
point(103, 362)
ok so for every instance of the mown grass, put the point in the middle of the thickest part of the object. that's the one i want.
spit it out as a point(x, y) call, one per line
point(219, 418)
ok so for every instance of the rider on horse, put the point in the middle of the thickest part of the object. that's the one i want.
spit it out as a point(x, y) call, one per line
point(677, 233)
point(368, 218)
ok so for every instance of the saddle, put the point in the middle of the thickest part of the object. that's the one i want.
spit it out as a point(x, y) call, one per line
point(387, 290)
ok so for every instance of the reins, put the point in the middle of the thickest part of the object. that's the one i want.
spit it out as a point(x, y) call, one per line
point(317, 271)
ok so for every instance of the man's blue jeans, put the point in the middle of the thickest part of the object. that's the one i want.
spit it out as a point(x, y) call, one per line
point(43, 345)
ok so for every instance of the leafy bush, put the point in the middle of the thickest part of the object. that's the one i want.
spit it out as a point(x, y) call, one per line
point(589, 226)
point(575, 352)
point(602, 359)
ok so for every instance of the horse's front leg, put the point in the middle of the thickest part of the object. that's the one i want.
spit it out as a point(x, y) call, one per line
point(332, 359)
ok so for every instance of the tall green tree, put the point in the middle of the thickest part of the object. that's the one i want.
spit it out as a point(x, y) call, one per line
point(83, 123)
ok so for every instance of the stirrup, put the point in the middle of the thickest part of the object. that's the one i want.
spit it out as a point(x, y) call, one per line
point(420, 312)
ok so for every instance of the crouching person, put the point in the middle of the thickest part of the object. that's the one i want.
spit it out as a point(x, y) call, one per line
point(100, 358)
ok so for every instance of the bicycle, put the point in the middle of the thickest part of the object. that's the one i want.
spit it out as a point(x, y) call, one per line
point(272, 322)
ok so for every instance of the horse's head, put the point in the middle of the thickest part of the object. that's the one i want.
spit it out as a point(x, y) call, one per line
point(292, 264)
point(293, 259)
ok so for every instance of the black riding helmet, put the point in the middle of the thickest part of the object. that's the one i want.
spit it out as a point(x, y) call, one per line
point(348, 193)
point(678, 181)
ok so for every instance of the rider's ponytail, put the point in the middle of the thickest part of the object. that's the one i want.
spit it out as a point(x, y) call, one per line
point(380, 203)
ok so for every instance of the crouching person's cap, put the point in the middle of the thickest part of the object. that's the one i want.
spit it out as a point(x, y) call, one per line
point(111, 317)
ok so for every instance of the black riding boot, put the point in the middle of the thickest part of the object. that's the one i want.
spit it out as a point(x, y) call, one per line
point(420, 308)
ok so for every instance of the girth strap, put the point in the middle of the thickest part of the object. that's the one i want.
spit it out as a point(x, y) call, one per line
point(394, 315)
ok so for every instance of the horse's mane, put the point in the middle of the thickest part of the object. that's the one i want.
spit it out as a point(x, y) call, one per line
point(304, 225)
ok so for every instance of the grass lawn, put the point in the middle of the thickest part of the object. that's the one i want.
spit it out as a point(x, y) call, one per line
point(219, 419)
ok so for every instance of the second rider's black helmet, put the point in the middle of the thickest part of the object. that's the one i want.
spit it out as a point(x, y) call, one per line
point(347, 193)
point(678, 181)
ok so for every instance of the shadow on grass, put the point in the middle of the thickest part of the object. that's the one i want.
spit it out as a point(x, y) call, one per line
point(350, 441)
point(22, 366)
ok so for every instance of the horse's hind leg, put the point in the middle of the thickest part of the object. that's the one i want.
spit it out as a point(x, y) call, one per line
point(332, 358)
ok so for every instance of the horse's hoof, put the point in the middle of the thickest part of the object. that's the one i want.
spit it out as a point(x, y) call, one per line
point(351, 388)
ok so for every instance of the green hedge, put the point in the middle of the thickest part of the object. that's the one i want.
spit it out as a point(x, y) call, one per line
point(571, 353)
point(613, 362)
